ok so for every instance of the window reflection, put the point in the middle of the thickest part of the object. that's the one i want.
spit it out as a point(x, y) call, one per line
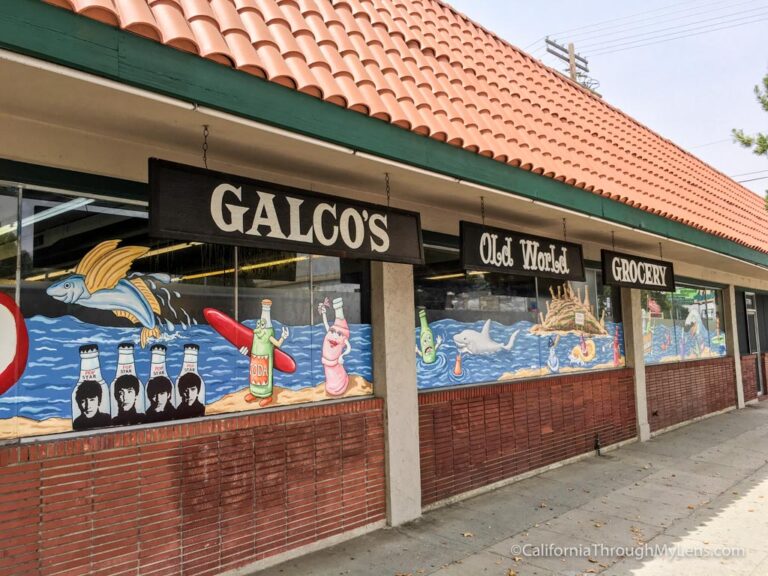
point(682, 325)
point(475, 327)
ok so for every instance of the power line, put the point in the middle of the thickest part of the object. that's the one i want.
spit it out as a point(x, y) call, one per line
point(633, 45)
point(656, 19)
point(630, 26)
point(714, 21)
point(752, 179)
point(562, 32)
point(748, 173)
point(711, 144)
point(664, 8)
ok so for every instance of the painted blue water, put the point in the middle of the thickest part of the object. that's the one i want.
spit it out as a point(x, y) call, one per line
point(53, 365)
point(675, 343)
point(529, 353)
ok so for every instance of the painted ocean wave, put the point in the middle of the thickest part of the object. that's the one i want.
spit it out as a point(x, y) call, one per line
point(527, 358)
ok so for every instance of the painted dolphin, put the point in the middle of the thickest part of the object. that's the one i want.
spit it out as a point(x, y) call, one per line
point(100, 282)
point(474, 342)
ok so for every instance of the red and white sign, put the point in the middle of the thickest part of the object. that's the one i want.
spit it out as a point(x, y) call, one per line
point(14, 343)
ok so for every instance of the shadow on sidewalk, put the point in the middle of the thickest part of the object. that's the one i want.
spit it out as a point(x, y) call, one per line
point(696, 490)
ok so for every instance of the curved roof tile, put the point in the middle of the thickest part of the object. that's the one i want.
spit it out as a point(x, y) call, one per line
point(425, 67)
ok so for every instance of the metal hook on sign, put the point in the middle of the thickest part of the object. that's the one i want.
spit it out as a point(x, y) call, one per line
point(205, 144)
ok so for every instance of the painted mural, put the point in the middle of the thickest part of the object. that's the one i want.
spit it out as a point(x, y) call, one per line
point(683, 325)
point(159, 363)
point(567, 338)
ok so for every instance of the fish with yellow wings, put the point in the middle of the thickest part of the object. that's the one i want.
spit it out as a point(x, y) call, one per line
point(101, 281)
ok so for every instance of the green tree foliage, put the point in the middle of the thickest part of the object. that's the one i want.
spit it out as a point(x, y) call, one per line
point(758, 143)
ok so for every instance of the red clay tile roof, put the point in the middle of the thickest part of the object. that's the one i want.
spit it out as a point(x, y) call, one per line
point(423, 66)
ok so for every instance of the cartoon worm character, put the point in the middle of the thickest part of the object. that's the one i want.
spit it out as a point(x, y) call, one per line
point(335, 346)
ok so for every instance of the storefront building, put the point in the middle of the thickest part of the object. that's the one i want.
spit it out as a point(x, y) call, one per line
point(277, 274)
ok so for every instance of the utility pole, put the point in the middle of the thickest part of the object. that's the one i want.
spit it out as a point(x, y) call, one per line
point(572, 61)
point(569, 56)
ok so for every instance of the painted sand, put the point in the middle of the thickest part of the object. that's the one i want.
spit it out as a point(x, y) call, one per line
point(19, 426)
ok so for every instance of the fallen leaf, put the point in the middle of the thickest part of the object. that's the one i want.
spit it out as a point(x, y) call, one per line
point(691, 507)
point(511, 572)
point(591, 560)
point(598, 525)
point(467, 534)
point(517, 559)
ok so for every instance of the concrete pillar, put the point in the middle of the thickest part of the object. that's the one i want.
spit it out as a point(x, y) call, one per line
point(394, 377)
point(732, 339)
point(631, 313)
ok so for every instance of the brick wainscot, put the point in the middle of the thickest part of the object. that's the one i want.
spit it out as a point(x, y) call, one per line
point(473, 437)
point(749, 377)
point(681, 391)
point(193, 498)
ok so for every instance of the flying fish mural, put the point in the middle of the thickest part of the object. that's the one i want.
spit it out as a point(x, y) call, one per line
point(101, 281)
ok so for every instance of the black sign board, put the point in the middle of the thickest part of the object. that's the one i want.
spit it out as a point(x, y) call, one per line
point(637, 272)
point(497, 250)
point(188, 203)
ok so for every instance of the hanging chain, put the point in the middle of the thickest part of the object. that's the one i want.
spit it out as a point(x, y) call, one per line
point(205, 145)
point(565, 231)
point(613, 240)
point(482, 209)
point(386, 187)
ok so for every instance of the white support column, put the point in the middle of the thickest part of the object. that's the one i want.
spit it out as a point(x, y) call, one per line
point(732, 340)
point(394, 375)
point(633, 346)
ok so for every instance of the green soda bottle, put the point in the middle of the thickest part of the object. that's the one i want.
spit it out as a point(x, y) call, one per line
point(426, 339)
point(262, 354)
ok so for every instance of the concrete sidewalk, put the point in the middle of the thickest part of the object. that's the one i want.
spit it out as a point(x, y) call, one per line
point(694, 490)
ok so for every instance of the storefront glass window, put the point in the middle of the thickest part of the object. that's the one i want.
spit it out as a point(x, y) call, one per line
point(682, 325)
point(475, 327)
point(8, 246)
point(128, 329)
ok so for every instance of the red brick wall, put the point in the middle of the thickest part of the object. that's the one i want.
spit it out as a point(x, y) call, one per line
point(749, 377)
point(765, 367)
point(196, 498)
point(471, 437)
point(680, 391)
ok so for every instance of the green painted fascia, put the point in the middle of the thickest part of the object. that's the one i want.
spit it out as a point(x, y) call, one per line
point(56, 35)
point(35, 174)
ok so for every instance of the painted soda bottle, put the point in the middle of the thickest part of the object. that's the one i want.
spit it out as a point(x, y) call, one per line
point(190, 387)
point(426, 339)
point(262, 354)
point(335, 344)
point(157, 368)
point(161, 393)
point(90, 397)
point(126, 390)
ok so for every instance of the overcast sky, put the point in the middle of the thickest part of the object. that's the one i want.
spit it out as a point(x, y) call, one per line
point(686, 69)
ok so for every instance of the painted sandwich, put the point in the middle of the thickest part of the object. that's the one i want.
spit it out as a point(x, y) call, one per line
point(101, 281)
